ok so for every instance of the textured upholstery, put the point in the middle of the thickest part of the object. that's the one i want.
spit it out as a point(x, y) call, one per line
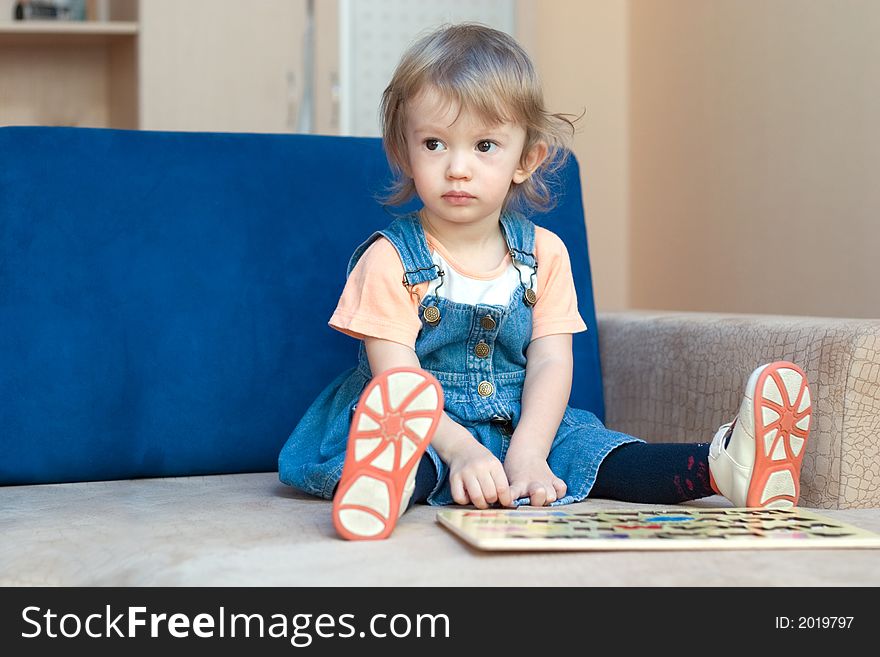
point(164, 297)
point(676, 377)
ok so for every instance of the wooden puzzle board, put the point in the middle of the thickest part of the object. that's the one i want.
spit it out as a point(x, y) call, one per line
point(669, 529)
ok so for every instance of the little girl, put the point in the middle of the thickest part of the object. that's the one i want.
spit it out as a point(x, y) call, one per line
point(466, 309)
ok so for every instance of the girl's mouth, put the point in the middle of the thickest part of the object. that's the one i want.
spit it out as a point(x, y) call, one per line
point(458, 198)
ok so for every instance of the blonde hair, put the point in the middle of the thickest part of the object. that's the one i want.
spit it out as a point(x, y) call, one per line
point(486, 72)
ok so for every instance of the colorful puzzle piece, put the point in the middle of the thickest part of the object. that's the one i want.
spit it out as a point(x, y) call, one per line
point(674, 529)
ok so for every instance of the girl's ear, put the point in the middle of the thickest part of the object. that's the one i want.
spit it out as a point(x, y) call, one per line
point(530, 162)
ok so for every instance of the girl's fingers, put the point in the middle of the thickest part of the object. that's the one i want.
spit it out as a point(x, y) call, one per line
point(487, 484)
point(475, 492)
point(537, 494)
point(543, 494)
point(502, 487)
point(456, 487)
point(560, 488)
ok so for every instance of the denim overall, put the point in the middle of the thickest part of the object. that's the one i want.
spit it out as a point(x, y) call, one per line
point(482, 387)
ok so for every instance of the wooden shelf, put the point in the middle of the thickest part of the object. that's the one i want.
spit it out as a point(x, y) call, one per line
point(41, 32)
point(77, 73)
point(68, 27)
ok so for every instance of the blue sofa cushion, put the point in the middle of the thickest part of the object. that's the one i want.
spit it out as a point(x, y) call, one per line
point(164, 297)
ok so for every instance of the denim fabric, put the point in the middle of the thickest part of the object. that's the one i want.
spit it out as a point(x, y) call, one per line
point(313, 456)
point(426, 480)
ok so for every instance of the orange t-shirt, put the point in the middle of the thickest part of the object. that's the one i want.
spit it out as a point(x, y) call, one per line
point(376, 304)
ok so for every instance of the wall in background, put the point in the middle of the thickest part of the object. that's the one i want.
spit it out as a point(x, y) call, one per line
point(729, 152)
point(581, 50)
point(754, 151)
point(6, 7)
point(221, 65)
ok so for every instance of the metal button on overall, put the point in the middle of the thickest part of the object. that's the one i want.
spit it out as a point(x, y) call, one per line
point(432, 315)
point(481, 350)
point(485, 389)
point(488, 323)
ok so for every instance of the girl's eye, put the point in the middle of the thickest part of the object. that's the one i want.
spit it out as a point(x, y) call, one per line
point(486, 146)
point(433, 144)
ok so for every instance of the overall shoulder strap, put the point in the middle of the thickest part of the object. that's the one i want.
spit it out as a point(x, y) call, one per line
point(519, 234)
point(408, 238)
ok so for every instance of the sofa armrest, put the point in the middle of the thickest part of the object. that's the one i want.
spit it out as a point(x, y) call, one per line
point(676, 377)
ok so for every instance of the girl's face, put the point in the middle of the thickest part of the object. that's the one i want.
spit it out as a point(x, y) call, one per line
point(461, 167)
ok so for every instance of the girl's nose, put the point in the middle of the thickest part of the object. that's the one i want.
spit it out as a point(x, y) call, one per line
point(458, 168)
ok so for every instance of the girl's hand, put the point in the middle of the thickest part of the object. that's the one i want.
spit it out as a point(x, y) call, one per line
point(530, 476)
point(476, 476)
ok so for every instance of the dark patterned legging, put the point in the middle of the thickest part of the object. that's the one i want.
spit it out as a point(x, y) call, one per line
point(661, 473)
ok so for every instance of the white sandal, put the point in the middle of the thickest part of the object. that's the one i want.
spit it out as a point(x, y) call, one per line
point(760, 465)
point(393, 423)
